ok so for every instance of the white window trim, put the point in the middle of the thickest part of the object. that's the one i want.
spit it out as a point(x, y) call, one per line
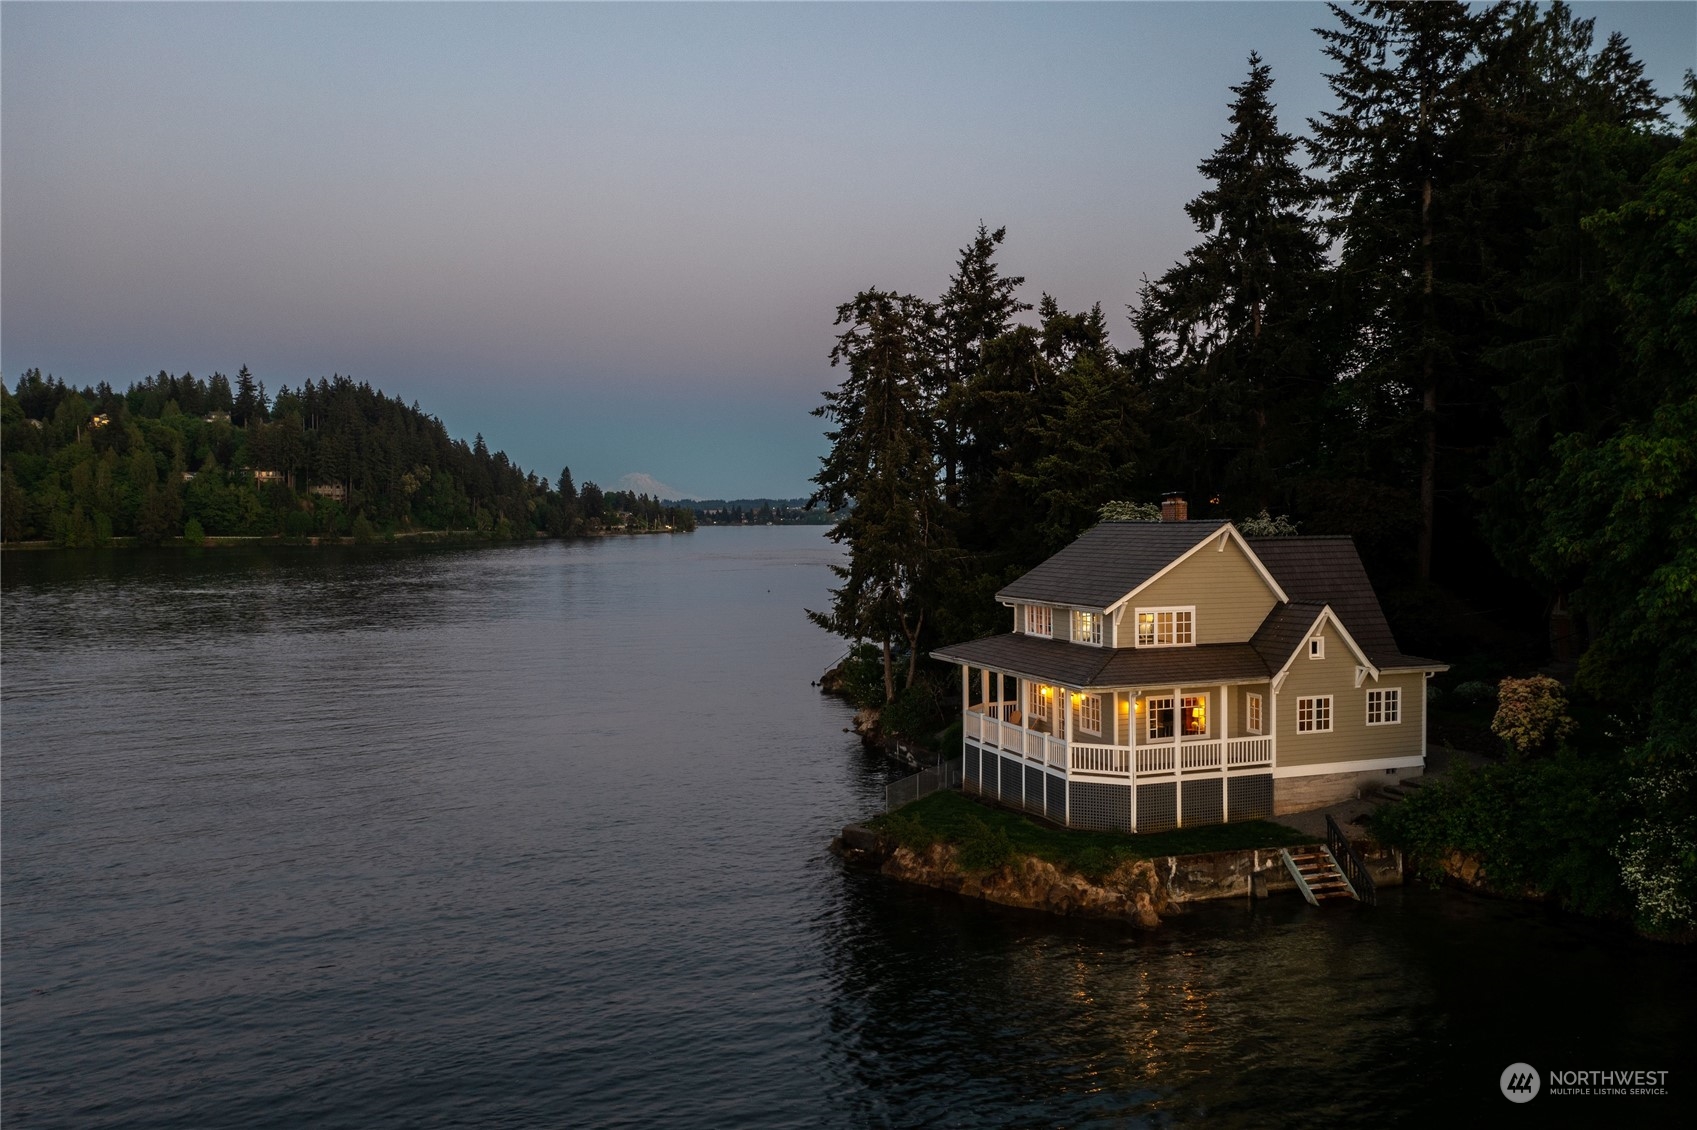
point(1314, 711)
point(1155, 611)
point(1185, 703)
point(1084, 726)
point(1316, 647)
point(1038, 705)
point(1149, 708)
point(1388, 695)
point(1094, 638)
point(1039, 625)
point(1254, 712)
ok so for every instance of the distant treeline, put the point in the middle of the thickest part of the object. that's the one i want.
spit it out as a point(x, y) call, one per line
point(757, 512)
point(180, 456)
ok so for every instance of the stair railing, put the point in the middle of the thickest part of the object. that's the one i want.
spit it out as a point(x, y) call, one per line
point(1354, 867)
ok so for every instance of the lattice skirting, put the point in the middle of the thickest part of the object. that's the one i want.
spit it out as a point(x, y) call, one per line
point(1157, 807)
point(1251, 797)
point(1099, 806)
point(1202, 802)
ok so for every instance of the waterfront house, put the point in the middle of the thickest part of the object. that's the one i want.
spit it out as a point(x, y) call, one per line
point(1177, 673)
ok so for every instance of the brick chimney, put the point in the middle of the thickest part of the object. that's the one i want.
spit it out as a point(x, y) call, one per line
point(1174, 508)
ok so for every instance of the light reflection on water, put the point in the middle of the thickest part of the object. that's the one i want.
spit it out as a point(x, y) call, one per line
point(534, 835)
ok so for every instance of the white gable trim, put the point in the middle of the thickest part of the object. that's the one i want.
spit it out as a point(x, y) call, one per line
point(1364, 666)
point(1228, 531)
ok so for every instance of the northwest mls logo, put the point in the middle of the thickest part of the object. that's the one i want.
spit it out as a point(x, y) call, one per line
point(1519, 1083)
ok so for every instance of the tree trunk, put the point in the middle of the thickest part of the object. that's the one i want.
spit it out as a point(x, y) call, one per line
point(1429, 394)
point(889, 674)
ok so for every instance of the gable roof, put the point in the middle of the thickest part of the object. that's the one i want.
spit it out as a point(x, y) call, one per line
point(1283, 631)
point(1323, 570)
point(1108, 561)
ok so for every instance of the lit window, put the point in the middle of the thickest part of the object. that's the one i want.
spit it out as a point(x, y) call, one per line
point(1041, 699)
point(1090, 714)
point(1087, 627)
point(1384, 707)
point(1314, 715)
point(1252, 709)
point(1166, 627)
point(1195, 715)
point(1317, 647)
point(1039, 620)
point(1160, 715)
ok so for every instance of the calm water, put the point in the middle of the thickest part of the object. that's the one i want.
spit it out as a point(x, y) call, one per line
point(535, 836)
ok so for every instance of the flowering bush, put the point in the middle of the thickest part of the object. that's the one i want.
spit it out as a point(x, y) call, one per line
point(1532, 714)
point(1658, 857)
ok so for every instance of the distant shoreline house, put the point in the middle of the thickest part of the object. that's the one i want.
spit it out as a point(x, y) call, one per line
point(1177, 673)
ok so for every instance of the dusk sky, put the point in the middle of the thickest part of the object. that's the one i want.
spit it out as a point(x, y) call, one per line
point(609, 236)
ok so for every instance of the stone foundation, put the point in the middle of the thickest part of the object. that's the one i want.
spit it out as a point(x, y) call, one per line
point(1301, 794)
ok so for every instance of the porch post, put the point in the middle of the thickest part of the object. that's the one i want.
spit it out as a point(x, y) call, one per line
point(965, 688)
point(984, 687)
point(1178, 757)
point(1225, 737)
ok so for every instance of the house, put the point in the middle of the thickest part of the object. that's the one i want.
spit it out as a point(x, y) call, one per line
point(334, 491)
point(1177, 673)
point(262, 476)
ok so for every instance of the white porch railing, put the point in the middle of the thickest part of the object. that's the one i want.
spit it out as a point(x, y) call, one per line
point(1241, 752)
point(1154, 759)
point(1100, 759)
point(1195, 756)
point(987, 724)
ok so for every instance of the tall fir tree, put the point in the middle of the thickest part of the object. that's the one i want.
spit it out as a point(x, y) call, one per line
point(881, 475)
point(1231, 352)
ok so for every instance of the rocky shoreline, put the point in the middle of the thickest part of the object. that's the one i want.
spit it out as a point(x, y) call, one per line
point(1139, 892)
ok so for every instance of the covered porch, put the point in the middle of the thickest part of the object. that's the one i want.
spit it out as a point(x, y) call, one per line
point(1141, 747)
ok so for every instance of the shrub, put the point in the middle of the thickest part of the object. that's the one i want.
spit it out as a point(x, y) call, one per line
point(984, 848)
point(1265, 525)
point(1551, 826)
point(193, 533)
point(1129, 512)
point(1532, 714)
point(1658, 856)
point(1474, 693)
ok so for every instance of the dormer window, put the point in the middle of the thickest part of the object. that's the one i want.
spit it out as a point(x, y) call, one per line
point(1317, 647)
point(1166, 627)
point(1087, 627)
point(1039, 620)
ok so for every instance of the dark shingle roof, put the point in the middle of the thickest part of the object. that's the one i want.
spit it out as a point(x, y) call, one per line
point(1108, 561)
point(1327, 570)
point(1076, 665)
point(1284, 629)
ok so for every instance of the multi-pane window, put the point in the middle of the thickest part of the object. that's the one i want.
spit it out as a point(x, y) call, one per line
point(1090, 714)
point(1087, 627)
point(1252, 712)
point(1195, 715)
point(1039, 620)
point(1314, 715)
point(1384, 707)
point(1041, 698)
point(1166, 627)
point(1159, 712)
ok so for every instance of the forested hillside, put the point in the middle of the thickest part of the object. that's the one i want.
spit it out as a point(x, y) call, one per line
point(180, 456)
point(1455, 318)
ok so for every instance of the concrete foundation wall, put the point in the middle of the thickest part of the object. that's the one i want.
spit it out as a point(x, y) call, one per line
point(1320, 790)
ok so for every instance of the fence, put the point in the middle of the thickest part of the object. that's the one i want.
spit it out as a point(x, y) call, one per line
point(923, 783)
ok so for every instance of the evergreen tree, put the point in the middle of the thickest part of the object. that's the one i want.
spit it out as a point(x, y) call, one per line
point(1404, 77)
point(1230, 349)
point(881, 475)
point(978, 307)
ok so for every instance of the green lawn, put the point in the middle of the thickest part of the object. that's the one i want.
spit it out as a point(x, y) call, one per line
point(988, 836)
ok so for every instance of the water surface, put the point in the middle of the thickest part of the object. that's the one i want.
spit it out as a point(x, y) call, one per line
point(535, 836)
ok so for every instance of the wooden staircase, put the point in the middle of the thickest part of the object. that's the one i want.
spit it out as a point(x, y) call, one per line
point(1318, 875)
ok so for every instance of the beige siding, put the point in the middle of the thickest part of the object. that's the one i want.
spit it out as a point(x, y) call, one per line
point(1230, 597)
point(1351, 739)
point(1239, 721)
